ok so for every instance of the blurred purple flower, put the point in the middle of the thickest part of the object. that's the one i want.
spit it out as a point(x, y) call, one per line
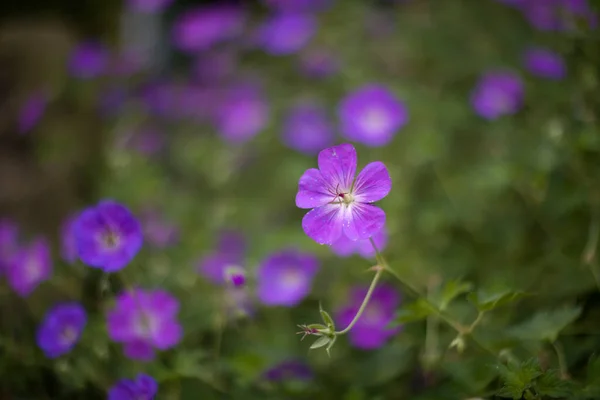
point(68, 242)
point(148, 6)
point(319, 63)
point(144, 320)
point(9, 242)
point(214, 66)
point(32, 112)
point(158, 231)
point(201, 27)
point(340, 204)
point(371, 331)
point(159, 98)
point(225, 265)
point(242, 113)
point(559, 15)
point(61, 329)
point(196, 102)
point(88, 60)
point(544, 63)
point(108, 236)
point(497, 93)
point(29, 266)
point(286, 33)
point(307, 129)
point(146, 140)
point(345, 247)
point(289, 370)
point(143, 387)
point(299, 5)
point(111, 101)
point(372, 115)
point(285, 278)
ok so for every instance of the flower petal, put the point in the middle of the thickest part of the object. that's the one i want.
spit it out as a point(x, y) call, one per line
point(363, 221)
point(338, 165)
point(323, 224)
point(313, 190)
point(138, 350)
point(373, 183)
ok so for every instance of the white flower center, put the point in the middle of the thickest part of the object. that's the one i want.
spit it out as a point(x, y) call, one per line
point(374, 121)
point(68, 335)
point(291, 279)
point(145, 325)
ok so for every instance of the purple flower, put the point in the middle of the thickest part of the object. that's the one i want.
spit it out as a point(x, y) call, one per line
point(285, 278)
point(340, 204)
point(308, 129)
point(68, 242)
point(286, 33)
point(202, 27)
point(299, 5)
point(144, 320)
point(497, 93)
point(32, 112)
point(9, 235)
point(88, 60)
point(345, 247)
point(372, 115)
point(159, 98)
point(157, 230)
point(61, 329)
point(559, 15)
point(214, 66)
point(371, 331)
point(242, 113)
point(108, 236)
point(225, 264)
point(143, 387)
point(29, 266)
point(149, 6)
point(544, 63)
point(319, 63)
point(289, 370)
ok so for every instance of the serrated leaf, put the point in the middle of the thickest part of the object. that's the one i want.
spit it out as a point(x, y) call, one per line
point(488, 300)
point(545, 325)
point(320, 342)
point(415, 311)
point(550, 384)
point(517, 378)
point(452, 290)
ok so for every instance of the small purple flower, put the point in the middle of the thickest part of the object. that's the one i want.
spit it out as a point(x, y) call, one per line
point(371, 331)
point(61, 329)
point(68, 242)
point(340, 204)
point(108, 236)
point(345, 247)
point(144, 320)
point(289, 370)
point(286, 33)
point(497, 93)
point(32, 112)
point(143, 387)
point(9, 242)
point(158, 231)
point(372, 115)
point(544, 63)
point(243, 112)
point(29, 266)
point(307, 129)
point(88, 60)
point(149, 6)
point(225, 264)
point(202, 27)
point(319, 63)
point(285, 278)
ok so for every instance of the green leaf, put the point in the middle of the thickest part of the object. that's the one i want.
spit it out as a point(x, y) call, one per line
point(320, 342)
point(452, 290)
point(415, 311)
point(550, 384)
point(517, 378)
point(330, 345)
point(489, 300)
point(545, 325)
point(327, 318)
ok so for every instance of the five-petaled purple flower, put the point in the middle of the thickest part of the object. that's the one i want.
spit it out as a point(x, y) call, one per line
point(345, 247)
point(32, 112)
point(88, 60)
point(371, 331)
point(143, 387)
point(285, 278)
point(61, 329)
point(307, 129)
point(372, 115)
point(225, 265)
point(144, 320)
point(340, 204)
point(497, 93)
point(286, 33)
point(29, 266)
point(544, 63)
point(108, 236)
point(289, 370)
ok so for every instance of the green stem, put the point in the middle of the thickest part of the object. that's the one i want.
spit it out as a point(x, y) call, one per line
point(562, 363)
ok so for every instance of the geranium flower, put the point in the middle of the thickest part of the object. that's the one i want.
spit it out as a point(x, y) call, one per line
point(29, 266)
point(143, 387)
point(61, 329)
